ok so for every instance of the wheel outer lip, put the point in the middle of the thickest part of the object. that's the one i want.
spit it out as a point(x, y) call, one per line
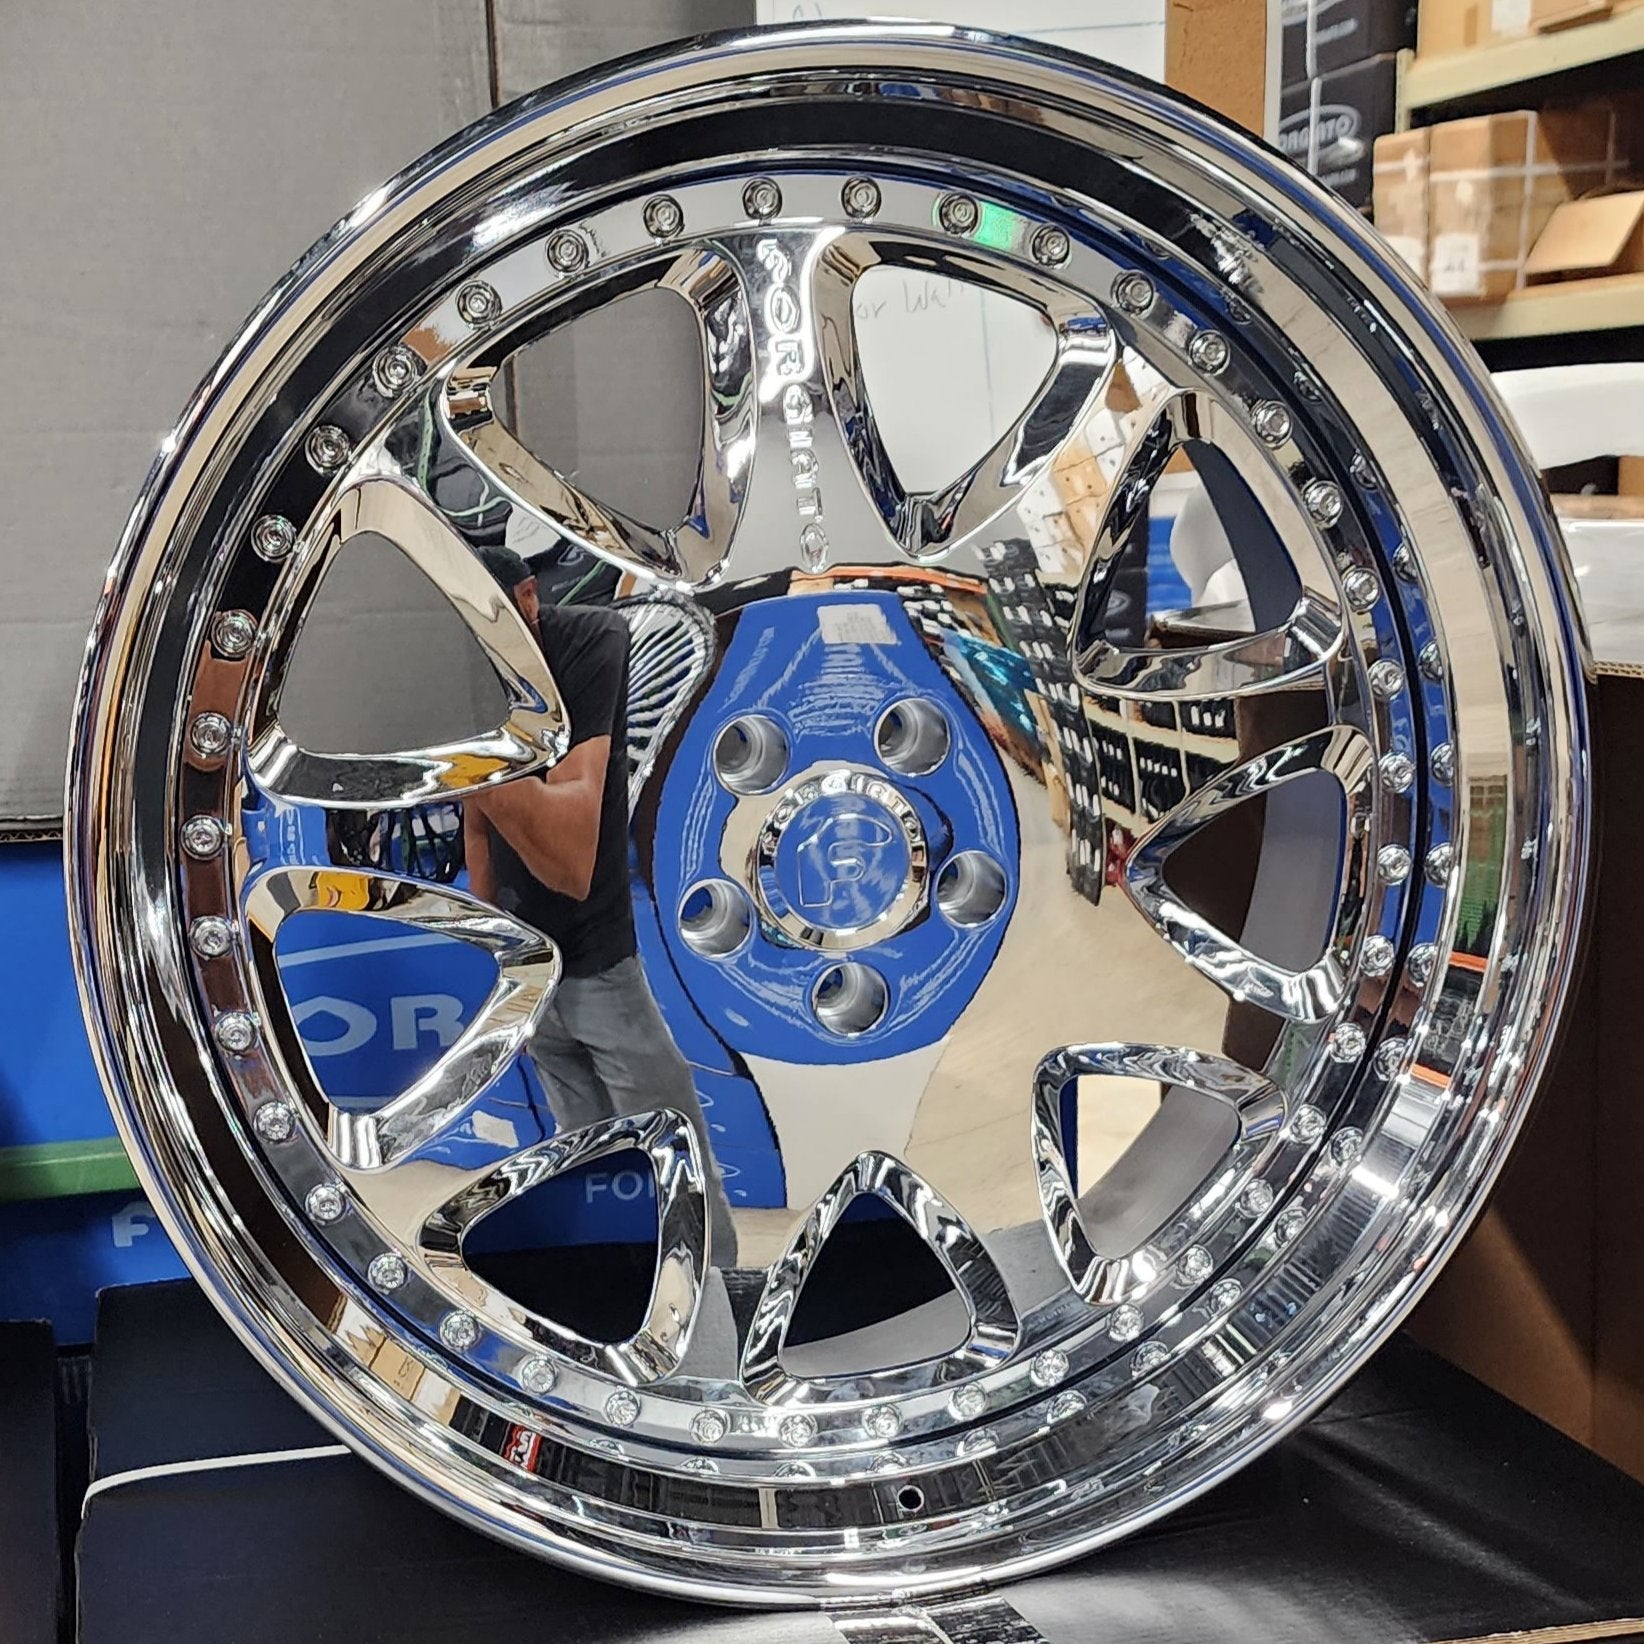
point(97, 786)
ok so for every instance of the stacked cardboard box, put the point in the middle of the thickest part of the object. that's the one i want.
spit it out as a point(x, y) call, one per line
point(1448, 26)
point(1340, 85)
point(1468, 200)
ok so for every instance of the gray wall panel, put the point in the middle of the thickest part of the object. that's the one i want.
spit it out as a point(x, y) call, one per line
point(164, 162)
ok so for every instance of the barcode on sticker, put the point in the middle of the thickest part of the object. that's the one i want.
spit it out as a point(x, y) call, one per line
point(854, 625)
point(1454, 265)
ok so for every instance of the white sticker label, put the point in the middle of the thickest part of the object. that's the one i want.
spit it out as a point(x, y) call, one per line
point(1412, 250)
point(1455, 265)
point(1509, 16)
point(854, 625)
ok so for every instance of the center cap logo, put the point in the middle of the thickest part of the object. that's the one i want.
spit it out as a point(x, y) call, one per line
point(841, 860)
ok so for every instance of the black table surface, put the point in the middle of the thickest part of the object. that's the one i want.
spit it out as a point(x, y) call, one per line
point(1418, 1506)
point(29, 1549)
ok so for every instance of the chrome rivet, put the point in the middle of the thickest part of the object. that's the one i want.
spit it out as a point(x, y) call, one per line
point(232, 633)
point(1404, 563)
point(1443, 763)
point(326, 1203)
point(275, 1122)
point(1307, 1124)
point(478, 302)
point(796, 1469)
point(1209, 351)
point(1346, 1146)
point(709, 1426)
point(538, 1375)
point(394, 370)
point(1346, 1043)
point(1134, 293)
point(1431, 662)
point(1065, 1406)
point(1271, 421)
point(211, 936)
point(387, 1272)
point(860, 197)
point(1362, 589)
point(1125, 1323)
point(1051, 246)
point(622, 1408)
point(1323, 500)
point(1393, 864)
point(210, 734)
point(663, 217)
point(888, 1461)
point(1398, 771)
point(1440, 863)
point(1288, 1224)
point(1389, 1057)
point(1377, 958)
point(1150, 1356)
point(1224, 1295)
point(1048, 1367)
point(1195, 1265)
point(273, 537)
point(973, 1444)
point(1386, 678)
point(967, 1403)
point(797, 1430)
point(203, 836)
point(459, 1331)
point(762, 199)
point(327, 448)
point(699, 1464)
point(1420, 962)
point(567, 252)
point(883, 1421)
point(958, 213)
point(236, 1032)
point(1257, 1198)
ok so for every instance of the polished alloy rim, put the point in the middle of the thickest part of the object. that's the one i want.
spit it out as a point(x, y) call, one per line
point(1401, 702)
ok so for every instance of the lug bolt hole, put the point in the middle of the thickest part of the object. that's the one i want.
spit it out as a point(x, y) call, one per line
point(912, 737)
point(850, 999)
point(714, 918)
point(910, 1499)
point(971, 888)
point(750, 754)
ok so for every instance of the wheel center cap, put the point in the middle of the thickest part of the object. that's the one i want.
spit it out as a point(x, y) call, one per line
point(841, 860)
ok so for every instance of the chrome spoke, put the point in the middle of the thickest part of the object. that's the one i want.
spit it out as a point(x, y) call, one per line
point(1310, 994)
point(694, 550)
point(528, 969)
point(381, 500)
point(932, 525)
point(1312, 632)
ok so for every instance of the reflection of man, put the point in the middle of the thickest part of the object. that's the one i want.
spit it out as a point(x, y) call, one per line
point(554, 853)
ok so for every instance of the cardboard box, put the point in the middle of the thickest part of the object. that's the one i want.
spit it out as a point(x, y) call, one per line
point(1216, 54)
point(1321, 36)
point(1444, 27)
point(1329, 125)
point(1548, 15)
point(1493, 183)
point(1400, 167)
point(1585, 238)
point(1545, 1300)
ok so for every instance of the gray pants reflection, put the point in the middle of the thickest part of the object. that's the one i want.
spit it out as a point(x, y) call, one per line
point(604, 1052)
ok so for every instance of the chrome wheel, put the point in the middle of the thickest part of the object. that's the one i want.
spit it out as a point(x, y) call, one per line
point(1174, 985)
